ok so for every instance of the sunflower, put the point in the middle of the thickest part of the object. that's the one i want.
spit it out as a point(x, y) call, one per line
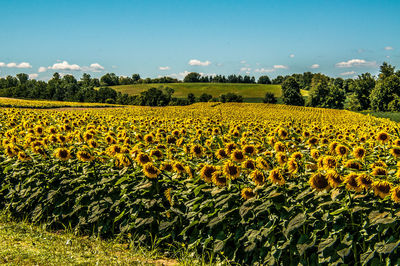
point(114, 149)
point(62, 154)
point(167, 166)
point(359, 152)
point(364, 181)
point(206, 172)
point(219, 179)
point(156, 153)
point(281, 158)
point(315, 154)
point(230, 147)
point(381, 188)
point(262, 163)
point(123, 160)
point(297, 156)
point(312, 141)
point(171, 140)
point(334, 179)
point(332, 147)
point(39, 130)
point(382, 136)
point(231, 170)
point(249, 149)
point(293, 166)
point(395, 151)
point(283, 133)
point(396, 194)
point(275, 176)
point(143, 159)
point(196, 150)
point(351, 182)
point(179, 167)
point(84, 156)
point(247, 193)
point(92, 143)
point(149, 138)
point(353, 164)
point(378, 164)
point(341, 150)
point(237, 156)
point(88, 135)
point(249, 164)
point(257, 177)
point(329, 162)
point(319, 182)
point(279, 147)
point(23, 157)
point(150, 170)
point(221, 153)
point(379, 171)
point(396, 142)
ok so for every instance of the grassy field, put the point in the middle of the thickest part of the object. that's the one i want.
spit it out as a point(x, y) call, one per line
point(22, 243)
point(251, 92)
point(392, 116)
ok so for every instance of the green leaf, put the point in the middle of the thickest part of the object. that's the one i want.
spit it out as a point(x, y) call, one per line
point(295, 223)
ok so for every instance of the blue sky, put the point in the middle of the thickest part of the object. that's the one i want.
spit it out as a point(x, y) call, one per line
point(157, 38)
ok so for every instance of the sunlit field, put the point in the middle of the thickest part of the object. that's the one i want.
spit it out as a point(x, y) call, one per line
point(246, 183)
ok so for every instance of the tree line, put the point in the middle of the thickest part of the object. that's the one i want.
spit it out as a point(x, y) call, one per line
point(365, 92)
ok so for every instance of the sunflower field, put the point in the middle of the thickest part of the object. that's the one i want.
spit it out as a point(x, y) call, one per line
point(250, 183)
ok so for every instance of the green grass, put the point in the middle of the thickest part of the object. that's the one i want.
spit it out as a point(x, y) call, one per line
point(251, 92)
point(392, 116)
point(22, 243)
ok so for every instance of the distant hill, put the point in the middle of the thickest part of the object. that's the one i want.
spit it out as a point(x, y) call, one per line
point(250, 92)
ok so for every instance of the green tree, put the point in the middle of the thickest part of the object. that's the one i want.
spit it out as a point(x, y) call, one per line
point(264, 80)
point(385, 91)
point(191, 98)
point(269, 98)
point(291, 92)
point(319, 90)
point(192, 77)
point(205, 97)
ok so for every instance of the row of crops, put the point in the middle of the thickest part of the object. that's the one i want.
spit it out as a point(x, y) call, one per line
point(43, 104)
point(250, 183)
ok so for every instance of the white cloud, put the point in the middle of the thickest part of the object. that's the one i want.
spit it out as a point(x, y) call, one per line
point(280, 67)
point(314, 66)
point(388, 48)
point(33, 76)
point(195, 62)
point(164, 68)
point(96, 67)
point(42, 69)
point(2, 64)
point(180, 75)
point(245, 69)
point(355, 62)
point(24, 65)
point(64, 66)
point(207, 74)
point(291, 56)
point(20, 65)
point(243, 62)
point(264, 70)
point(347, 73)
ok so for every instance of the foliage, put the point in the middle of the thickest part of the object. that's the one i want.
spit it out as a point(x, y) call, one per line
point(231, 97)
point(291, 92)
point(269, 98)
